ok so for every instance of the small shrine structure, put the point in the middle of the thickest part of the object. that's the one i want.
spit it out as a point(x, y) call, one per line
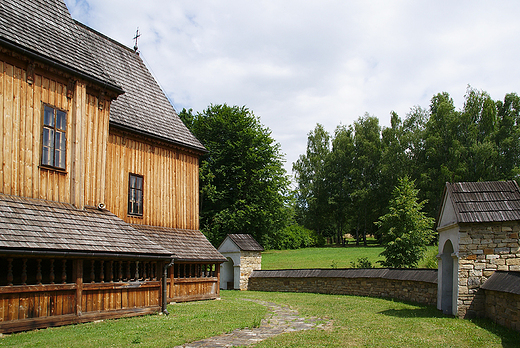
point(244, 255)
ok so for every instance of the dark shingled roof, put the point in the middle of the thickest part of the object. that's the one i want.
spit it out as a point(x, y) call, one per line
point(504, 282)
point(420, 275)
point(45, 29)
point(490, 201)
point(187, 245)
point(35, 225)
point(144, 107)
point(245, 242)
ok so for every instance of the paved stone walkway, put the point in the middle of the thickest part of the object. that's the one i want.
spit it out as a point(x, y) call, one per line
point(280, 319)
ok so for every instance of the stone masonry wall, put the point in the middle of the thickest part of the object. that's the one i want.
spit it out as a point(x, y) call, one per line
point(484, 249)
point(249, 262)
point(414, 291)
point(503, 308)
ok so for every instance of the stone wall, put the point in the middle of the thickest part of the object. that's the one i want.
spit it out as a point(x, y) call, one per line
point(503, 308)
point(484, 249)
point(419, 286)
point(249, 262)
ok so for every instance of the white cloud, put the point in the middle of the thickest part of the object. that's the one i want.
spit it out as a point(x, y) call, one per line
point(298, 63)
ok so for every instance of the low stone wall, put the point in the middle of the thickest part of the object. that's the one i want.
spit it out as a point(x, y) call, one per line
point(502, 298)
point(503, 308)
point(417, 285)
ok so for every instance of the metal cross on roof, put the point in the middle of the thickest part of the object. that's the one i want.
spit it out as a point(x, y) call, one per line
point(136, 37)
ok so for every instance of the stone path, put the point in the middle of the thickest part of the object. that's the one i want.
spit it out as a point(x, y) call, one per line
point(280, 319)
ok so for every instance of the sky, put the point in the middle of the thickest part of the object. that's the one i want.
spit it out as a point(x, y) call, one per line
point(297, 63)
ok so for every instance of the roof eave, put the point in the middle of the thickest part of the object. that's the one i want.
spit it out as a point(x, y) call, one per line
point(49, 61)
point(200, 151)
point(219, 260)
point(87, 254)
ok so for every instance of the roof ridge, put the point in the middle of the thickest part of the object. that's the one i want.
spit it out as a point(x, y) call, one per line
point(103, 35)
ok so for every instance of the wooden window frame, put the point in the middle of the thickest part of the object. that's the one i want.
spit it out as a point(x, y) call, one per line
point(54, 156)
point(135, 195)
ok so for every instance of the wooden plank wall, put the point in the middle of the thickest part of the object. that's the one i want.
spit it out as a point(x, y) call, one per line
point(194, 289)
point(115, 296)
point(19, 303)
point(21, 105)
point(170, 188)
point(95, 137)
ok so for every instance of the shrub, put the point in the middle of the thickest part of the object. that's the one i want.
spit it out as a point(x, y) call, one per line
point(295, 237)
point(362, 262)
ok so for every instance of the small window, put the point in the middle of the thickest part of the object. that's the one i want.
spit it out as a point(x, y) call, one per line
point(135, 195)
point(54, 140)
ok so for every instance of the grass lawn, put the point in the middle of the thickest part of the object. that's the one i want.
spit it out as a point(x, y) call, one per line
point(327, 257)
point(356, 322)
point(187, 322)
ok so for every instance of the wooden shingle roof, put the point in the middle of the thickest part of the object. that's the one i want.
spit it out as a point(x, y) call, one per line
point(43, 226)
point(144, 107)
point(187, 245)
point(44, 29)
point(420, 275)
point(245, 242)
point(491, 201)
point(503, 282)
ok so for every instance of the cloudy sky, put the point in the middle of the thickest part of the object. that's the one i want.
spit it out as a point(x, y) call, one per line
point(297, 63)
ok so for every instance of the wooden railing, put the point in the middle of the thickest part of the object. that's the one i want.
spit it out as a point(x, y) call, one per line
point(31, 297)
point(193, 281)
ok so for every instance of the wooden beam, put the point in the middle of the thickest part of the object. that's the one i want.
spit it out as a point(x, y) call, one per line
point(78, 275)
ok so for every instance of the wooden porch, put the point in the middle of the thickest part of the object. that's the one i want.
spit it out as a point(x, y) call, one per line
point(38, 298)
point(193, 281)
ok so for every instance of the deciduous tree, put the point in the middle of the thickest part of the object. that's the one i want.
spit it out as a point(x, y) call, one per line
point(243, 182)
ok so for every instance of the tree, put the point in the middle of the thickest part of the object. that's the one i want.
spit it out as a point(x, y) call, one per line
point(366, 175)
point(405, 229)
point(310, 175)
point(243, 182)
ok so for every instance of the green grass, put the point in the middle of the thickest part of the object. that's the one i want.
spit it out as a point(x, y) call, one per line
point(330, 257)
point(371, 322)
point(356, 322)
point(187, 322)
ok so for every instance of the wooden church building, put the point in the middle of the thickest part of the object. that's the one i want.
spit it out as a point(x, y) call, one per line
point(99, 210)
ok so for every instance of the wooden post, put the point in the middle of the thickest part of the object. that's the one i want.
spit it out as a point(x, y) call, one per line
point(10, 271)
point(128, 271)
point(24, 272)
point(51, 272)
point(111, 271)
point(78, 270)
point(64, 271)
point(39, 271)
point(120, 273)
point(92, 271)
point(102, 272)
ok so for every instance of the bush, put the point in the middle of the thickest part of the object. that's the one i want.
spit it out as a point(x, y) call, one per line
point(362, 262)
point(295, 237)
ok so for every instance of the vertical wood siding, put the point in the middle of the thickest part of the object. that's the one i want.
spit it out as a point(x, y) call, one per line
point(170, 186)
point(21, 105)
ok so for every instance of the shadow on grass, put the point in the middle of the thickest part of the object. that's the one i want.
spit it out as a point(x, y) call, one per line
point(423, 312)
point(510, 338)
